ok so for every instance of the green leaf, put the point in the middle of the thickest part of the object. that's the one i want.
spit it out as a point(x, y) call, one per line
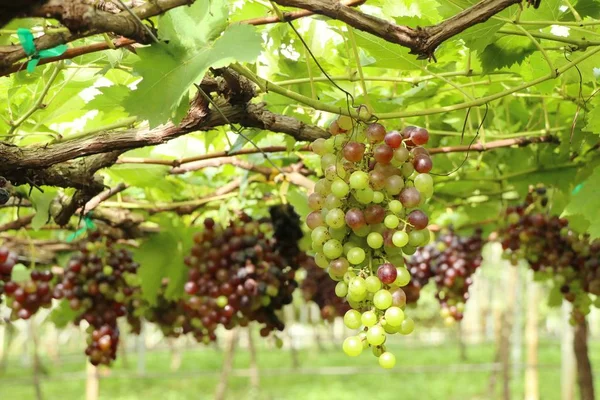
point(588, 8)
point(387, 55)
point(555, 297)
point(161, 256)
point(505, 52)
point(63, 314)
point(20, 273)
point(249, 135)
point(169, 70)
point(586, 203)
point(592, 118)
point(41, 203)
point(299, 201)
point(479, 36)
point(412, 8)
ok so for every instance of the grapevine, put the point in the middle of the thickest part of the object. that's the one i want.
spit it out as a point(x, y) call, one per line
point(365, 215)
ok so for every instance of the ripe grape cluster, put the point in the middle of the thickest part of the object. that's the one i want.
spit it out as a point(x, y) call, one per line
point(553, 250)
point(97, 282)
point(450, 261)
point(8, 259)
point(26, 298)
point(318, 287)
point(365, 215)
point(242, 273)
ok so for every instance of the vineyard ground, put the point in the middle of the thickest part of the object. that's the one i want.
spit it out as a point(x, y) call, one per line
point(423, 373)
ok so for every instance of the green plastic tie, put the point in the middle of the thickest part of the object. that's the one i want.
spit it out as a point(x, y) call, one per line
point(89, 226)
point(26, 39)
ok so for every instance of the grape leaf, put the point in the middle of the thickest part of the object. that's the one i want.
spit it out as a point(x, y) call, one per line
point(505, 52)
point(555, 297)
point(161, 256)
point(387, 55)
point(586, 203)
point(479, 36)
point(588, 8)
point(411, 8)
point(62, 315)
point(41, 202)
point(168, 70)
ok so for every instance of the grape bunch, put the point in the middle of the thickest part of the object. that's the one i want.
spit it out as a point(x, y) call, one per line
point(8, 260)
point(451, 261)
point(365, 215)
point(318, 287)
point(553, 250)
point(97, 282)
point(27, 297)
point(4, 190)
point(241, 273)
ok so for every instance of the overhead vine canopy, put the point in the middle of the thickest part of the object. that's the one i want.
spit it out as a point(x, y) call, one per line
point(175, 107)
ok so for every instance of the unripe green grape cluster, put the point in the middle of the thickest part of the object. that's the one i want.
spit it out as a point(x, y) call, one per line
point(366, 215)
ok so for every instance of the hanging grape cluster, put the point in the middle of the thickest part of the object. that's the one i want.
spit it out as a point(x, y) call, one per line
point(450, 261)
point(97, 282)
point(242, 272)
point(365, 215)
point(26, 298)
point(554, 251)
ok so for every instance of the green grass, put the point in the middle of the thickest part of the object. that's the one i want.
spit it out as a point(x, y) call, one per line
point(200, 367)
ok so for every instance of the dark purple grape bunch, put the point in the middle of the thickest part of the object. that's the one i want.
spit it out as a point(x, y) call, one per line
point(98, 282)
point(26, 298)
point(450, 262)
point(553, 251)
point(4, 190)
point(238, 274)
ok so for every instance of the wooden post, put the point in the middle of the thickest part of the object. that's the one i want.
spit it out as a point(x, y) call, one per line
point(92, 383)
point(140, 344)
point(567, 376)
point(37, 366)
point(254, 371)
point(9, 332)
point(585, 377)
point(531, 339)
point(175, 354)
point(221, 390)
point(505, 355)
point(516, 337)
point(462, 348)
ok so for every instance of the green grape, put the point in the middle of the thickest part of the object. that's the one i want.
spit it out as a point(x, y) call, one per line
point(359, 180)
point(331, 202)
point(363, 231)
point(339, 188)
point(364, 196)
point(403, 277)
point(391, 222)
point(341, 289)
point(356, 255)
point(395, 206)
point(357, 286)
point(352, 319)
point(382, 299)
point(387, 360)
point(409, 250)
point(332, 250)
point(408, 326)
point(328, 160)
point(377, 351)
point(339, 233)
point(368, 319)
point(222, 301)
point(400, 239)
point(416, 238)
point(378, 197)
point(348, 276)
point(323, 187)
point(335, 218)
point(392, 330)
point(352, 346)
point(329, 145)
point(321, 260)
point(318, 146)
point(407, 170)
point(424, 184)
point(394, 316)
point(356, 298)
point(320, 235)
point(375, 240)
point(363, 338)
point(376, 335)
point(373, 283)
